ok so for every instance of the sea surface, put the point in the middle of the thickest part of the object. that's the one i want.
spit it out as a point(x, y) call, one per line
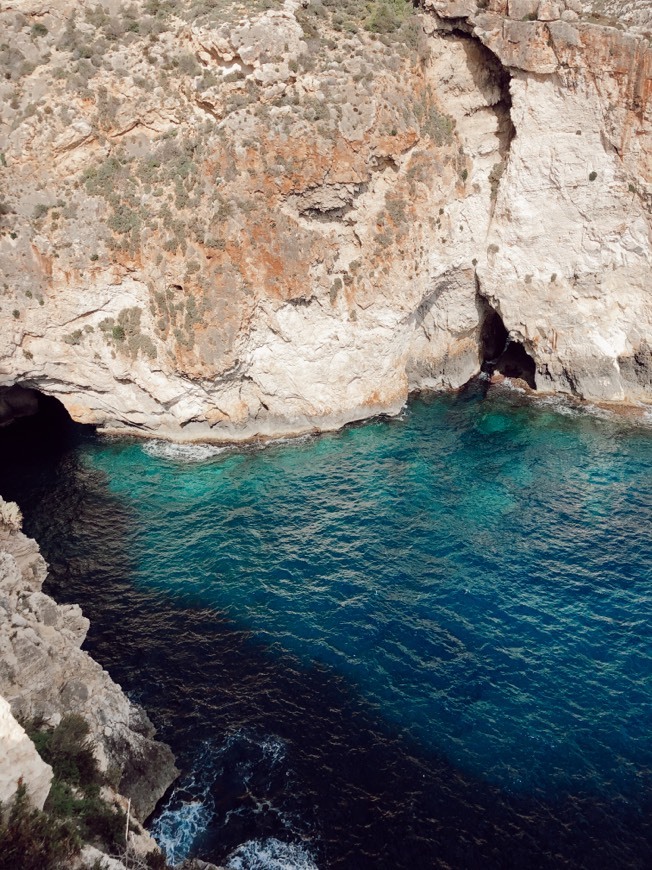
point(418, 642)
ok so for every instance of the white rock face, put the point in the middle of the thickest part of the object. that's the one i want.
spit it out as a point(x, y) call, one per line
point(291, 233)
point(569, 250)
point(19, 760)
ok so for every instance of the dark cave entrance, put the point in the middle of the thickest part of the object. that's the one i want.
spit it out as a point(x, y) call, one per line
point(33, 424)
point(502, 354)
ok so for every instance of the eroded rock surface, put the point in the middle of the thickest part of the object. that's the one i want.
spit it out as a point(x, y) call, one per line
point(568, 255)
point(20, 762)
point(221, 221)
point(44, 673)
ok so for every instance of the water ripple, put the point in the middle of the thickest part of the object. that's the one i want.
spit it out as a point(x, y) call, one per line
point(446, 619)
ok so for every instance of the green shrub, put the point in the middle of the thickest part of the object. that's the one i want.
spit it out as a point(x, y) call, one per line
point(33, 840)
point(187, 64)
point(71, 752)
point(383, 20)
point(123, 220)
point(73, 338)
point(40, 210)
point(95, 819)
point(67, 749)
point(494, 178)
point(61, 800)
point(74, 804)
point(593, 176)
point(437, 125)
point(99, 821)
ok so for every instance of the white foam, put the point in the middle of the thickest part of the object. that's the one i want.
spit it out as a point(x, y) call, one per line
point(274, 749)
point(284, 439)
point(261, 754)
point(188, 453)
point(567, 408)
point(509, 384)
point(270, 854)
point(176, 830)
point(190, 808)
point(182, 453)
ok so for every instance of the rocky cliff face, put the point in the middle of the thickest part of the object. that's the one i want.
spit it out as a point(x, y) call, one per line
point(20, 762)
point(568, 251)
point(44, 674)
point(221, 221)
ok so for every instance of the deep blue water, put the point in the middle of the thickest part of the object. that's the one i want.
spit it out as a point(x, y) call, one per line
point(416, 642)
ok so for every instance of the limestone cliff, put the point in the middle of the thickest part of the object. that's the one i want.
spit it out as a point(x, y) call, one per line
point(221, 220)
point(568, 250)
point(20, 762)
point(44, 674)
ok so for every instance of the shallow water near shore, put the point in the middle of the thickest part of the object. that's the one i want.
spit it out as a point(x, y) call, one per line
point(417, 642)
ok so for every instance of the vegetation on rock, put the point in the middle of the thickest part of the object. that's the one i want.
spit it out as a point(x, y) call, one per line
point(74, 809)
point(35, 840)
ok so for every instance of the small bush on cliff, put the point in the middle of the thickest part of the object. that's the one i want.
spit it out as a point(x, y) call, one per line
point(74, 798)
point(384, 19)
point(96, 820)
point(68, 750)
point(33, 840)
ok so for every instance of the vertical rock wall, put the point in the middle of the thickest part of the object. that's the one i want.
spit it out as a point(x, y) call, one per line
point(569, 249)
point(19, 761)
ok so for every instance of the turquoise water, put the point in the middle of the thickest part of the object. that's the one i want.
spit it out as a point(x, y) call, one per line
point(475, 575)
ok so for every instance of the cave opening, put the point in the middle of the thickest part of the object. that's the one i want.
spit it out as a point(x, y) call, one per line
point(499, 353)
point(34, 424)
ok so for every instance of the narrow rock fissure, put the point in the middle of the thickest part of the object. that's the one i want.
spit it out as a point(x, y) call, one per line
point(506, 128)
point(460, 28)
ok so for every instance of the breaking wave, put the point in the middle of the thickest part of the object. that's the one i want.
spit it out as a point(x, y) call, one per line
point(270, 854)
point(248, 773)
point(182, 453)
point(189, 809)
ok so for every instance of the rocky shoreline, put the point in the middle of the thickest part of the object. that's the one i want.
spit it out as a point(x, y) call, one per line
point(253, 435)
point(45, 676)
